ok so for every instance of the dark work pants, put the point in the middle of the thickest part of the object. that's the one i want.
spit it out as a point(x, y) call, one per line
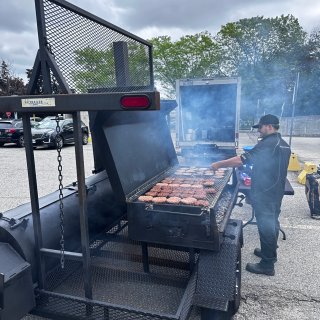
point(267, 216)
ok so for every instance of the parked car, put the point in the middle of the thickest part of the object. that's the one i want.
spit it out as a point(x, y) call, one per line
point(45, 133)
point(11, 131)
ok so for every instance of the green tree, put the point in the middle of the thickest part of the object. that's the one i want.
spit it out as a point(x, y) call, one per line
point(308, 95)
point(9, 83)
point(192, 56)
point(267, 54)
point(96, 68)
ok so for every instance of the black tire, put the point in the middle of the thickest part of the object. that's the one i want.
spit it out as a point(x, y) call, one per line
point(1, 144)
point(59, 142)
point(85, 138)
point(20, 142)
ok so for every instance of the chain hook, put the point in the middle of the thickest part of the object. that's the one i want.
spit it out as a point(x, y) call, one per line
point(60, 178)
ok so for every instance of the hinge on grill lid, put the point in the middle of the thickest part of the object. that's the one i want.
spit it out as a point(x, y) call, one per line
point(206, 222)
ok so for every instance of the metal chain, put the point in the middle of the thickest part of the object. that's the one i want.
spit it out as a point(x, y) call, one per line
point(60, 178)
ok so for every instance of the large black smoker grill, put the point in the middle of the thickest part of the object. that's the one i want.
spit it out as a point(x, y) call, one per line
point(139, 154)
point(123, 259)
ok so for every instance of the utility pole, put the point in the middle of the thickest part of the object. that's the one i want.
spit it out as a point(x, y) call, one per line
point(294, 98)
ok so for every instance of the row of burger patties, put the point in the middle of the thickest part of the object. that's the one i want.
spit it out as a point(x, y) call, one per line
point(175, 200)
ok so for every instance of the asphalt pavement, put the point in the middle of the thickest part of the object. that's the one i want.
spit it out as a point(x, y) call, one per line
point(293, 293)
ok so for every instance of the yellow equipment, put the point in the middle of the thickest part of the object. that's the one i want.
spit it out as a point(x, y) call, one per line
point(309, 167)
point(294, 164)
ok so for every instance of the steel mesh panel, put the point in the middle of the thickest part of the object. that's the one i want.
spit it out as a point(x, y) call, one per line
point(57, 276)
point(66, 308)
point(122, 251)
point(83, 47)
point(188, 298)
point(217, 272)
point(222, 206)
point(224, 265)
point(118, 279)
point(33, 317)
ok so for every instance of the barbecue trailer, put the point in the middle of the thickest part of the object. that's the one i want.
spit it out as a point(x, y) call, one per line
point(103, 247)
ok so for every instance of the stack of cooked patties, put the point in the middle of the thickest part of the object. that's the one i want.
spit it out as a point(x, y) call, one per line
point(188, 186)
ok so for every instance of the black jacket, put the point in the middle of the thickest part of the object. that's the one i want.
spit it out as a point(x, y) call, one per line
point(270, 159)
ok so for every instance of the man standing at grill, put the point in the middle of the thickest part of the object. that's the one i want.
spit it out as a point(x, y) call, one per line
point(270, 159)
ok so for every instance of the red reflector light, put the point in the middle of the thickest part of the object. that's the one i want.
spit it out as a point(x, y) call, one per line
point(135, 102)
point(11, 130)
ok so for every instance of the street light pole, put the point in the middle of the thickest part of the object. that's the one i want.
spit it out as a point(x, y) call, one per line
point(294, 98)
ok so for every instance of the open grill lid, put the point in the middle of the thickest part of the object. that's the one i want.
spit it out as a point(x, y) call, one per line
point(135, 146)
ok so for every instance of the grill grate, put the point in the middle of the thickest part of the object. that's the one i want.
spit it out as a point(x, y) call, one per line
point(219, 185)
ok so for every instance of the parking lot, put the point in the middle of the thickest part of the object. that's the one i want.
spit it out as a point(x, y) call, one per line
point(294, 292)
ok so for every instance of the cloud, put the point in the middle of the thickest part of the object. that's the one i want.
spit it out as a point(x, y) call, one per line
point(146, 18)
point(17, 16)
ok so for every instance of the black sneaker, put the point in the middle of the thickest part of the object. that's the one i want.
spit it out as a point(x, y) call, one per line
point(258, 268)
point(257, 252)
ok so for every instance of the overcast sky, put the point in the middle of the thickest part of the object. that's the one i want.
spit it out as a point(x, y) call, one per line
point(146, 18)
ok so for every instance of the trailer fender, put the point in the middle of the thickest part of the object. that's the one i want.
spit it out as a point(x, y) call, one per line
point(220, 272)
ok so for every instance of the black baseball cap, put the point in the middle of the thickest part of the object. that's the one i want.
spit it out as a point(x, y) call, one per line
point(267, 119)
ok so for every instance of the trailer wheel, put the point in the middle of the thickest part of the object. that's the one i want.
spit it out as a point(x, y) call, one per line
point(85, 139)
point(20, 142)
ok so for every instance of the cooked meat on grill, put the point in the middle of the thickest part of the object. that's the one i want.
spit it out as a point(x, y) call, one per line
point(174, 185)
point(156, 189)
point(202, 203)
point(189, 200)
point(176, 194)
point(167, 180)
point(197, 186)
point(163, 194)
point(159, 199)
point(174, 200)
point(151, 194)
point(185, 185)
point(210, 190)
point(208, 183)
point(200, 196)
point(161, 184)
point(145, 198)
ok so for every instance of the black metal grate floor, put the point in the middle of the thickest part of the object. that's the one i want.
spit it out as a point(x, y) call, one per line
point(118, 277)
